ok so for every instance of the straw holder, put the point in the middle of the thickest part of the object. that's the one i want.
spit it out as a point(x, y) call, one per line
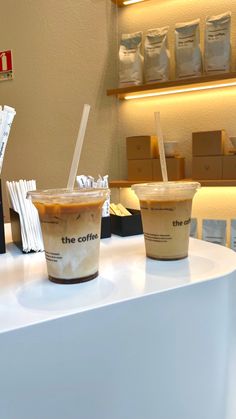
point(2, 233)
point(16, 229)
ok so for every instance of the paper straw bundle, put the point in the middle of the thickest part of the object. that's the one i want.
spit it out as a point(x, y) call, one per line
point(29, 221)
point(6, 118)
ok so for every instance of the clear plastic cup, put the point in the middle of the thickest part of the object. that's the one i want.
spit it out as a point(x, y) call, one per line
point(166, 216)
point(71, 223)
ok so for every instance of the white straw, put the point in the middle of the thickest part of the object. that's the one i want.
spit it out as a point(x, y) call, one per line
point(78, 147)
point(161, 147)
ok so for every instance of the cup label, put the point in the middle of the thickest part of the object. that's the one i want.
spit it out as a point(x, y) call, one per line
point(81, 239)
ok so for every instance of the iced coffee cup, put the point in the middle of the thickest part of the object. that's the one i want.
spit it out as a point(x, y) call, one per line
point(70, 222)
point(166, 216)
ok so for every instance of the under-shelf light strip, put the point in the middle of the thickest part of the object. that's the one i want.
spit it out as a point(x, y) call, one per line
point(184, 90)
point(127, 2)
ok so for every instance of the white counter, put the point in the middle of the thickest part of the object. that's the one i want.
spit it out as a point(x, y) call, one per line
point(28, 297)
point(145, 340)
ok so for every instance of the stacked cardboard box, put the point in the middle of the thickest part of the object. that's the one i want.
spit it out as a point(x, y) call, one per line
point(209, 161)
point(144, 162)
point(229, 167)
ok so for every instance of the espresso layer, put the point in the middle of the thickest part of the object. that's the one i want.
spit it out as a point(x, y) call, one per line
point(57, 209)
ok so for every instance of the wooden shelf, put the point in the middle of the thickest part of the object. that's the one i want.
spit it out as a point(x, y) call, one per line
point(220, 182)
point(119, 3)
point(216, 80)
point(125, 183)
point(203, 182)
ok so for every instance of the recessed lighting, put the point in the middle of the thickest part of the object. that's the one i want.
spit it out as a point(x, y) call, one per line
point(181, 90)
point(127, 2)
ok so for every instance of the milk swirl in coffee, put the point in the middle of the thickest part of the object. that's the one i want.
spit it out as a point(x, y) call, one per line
point(71, 224)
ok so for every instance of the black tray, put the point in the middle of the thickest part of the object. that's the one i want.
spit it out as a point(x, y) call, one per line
point(129, 225)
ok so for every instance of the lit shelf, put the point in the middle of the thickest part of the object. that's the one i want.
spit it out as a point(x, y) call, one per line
point(175, 86)
point(203, 182)
point(121, 3)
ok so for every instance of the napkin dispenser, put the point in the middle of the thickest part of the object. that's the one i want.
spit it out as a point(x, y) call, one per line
point(2, 232)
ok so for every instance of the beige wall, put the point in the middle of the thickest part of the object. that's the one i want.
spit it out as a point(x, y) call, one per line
point(65, 54)
point(62, 52)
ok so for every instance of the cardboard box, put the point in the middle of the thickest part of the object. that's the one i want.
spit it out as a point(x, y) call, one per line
point(209, 167)
point(174, 165)
point(208, 143)
point(229, 167)
point(140, 169)
point(129, 225)
point(141, 147)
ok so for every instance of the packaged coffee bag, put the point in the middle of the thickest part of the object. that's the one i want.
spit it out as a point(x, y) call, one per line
point(233, 235)
point(214, 231)
point(217, 55)
point(130, 60)
point(188, 59)
point(193, 228)
point(156, 55)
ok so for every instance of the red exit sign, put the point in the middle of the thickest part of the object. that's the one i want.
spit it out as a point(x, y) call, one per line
point(5, 65)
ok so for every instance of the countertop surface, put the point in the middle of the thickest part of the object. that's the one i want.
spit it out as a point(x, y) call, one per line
point(27, 296)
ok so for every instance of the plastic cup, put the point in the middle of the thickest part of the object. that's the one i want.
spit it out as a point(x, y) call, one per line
point(166, 217)
point(171, 148)
point(71, 223)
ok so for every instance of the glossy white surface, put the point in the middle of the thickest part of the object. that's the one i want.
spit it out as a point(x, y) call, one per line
point(28, 297)
point(145, 340)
